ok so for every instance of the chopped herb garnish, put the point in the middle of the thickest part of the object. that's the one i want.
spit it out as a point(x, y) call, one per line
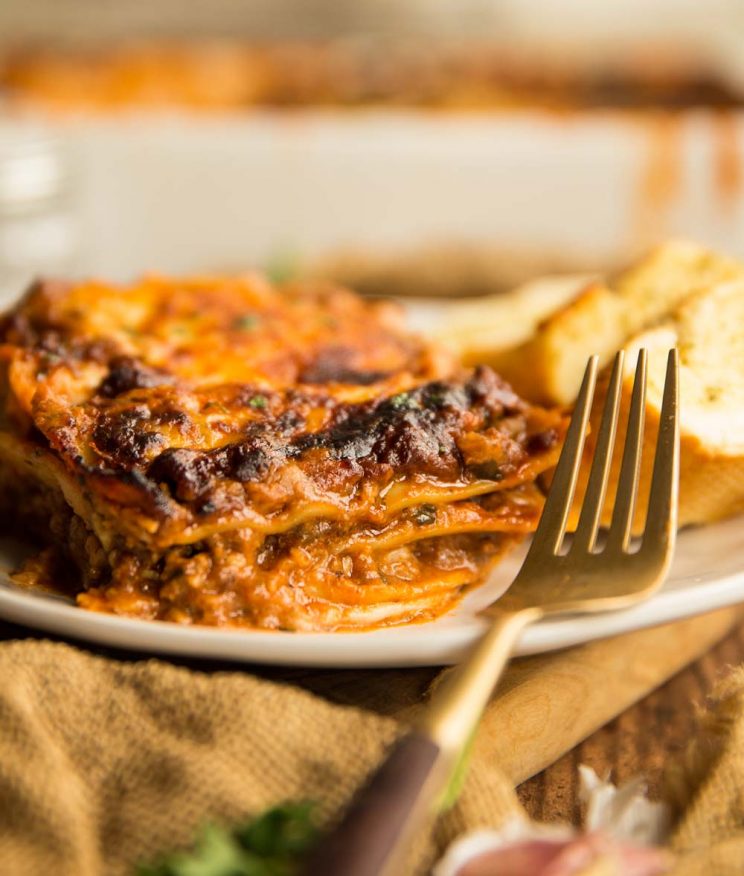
point(436, 397)
point(489, 470)
point(258, 402)
point(403, 402)
point(216, 406)
point(271, 845)
point(283, 266)
point(425, 515)
point(245, 323)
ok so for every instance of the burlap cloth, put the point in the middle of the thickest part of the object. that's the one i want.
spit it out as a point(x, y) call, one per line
point(106, 763)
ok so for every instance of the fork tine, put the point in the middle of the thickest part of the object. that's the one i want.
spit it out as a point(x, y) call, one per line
point(627, 485)
point(661, 520)
point(552, 524)
point(586, 531)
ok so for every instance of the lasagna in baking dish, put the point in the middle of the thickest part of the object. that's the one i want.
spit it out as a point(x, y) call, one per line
point(219, 451)
point(238, 75)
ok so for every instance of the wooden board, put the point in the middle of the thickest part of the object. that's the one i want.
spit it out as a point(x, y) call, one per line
point(639, 741)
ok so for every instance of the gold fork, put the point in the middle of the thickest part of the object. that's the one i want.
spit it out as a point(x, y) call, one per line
point(372, 837)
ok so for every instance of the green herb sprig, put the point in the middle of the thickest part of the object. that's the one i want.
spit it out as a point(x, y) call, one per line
point(271, 845)
point(245, 323)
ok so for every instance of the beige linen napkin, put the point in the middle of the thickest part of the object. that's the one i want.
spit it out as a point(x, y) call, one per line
point(708, 788)
point(105, 763)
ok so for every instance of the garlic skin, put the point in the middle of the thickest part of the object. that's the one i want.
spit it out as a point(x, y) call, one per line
point(624, 813)
point(621, 831)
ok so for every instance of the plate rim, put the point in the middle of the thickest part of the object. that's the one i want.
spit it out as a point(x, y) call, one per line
point(409, 645)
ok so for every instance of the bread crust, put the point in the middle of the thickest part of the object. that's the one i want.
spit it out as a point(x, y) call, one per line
point(681, 294)
point(708, 331)
point(548, 367)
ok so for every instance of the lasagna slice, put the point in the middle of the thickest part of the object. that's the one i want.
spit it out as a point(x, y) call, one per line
point(220, 451)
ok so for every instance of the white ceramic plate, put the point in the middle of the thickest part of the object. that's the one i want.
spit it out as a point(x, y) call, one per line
point(708, 573)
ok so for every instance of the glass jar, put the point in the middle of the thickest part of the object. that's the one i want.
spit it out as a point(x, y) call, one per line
point(38, 221)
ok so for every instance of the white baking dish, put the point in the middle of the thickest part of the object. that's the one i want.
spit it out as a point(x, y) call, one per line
point(184, 193)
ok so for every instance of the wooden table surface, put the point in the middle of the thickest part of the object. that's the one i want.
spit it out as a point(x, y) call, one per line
point(637, 742)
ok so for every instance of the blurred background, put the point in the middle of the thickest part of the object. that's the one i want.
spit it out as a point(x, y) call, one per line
point(433, 147)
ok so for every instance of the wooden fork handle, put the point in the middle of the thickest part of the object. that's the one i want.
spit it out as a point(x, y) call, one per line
point(371, 837)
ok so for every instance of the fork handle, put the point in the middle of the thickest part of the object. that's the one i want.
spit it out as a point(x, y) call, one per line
point(372, 836)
